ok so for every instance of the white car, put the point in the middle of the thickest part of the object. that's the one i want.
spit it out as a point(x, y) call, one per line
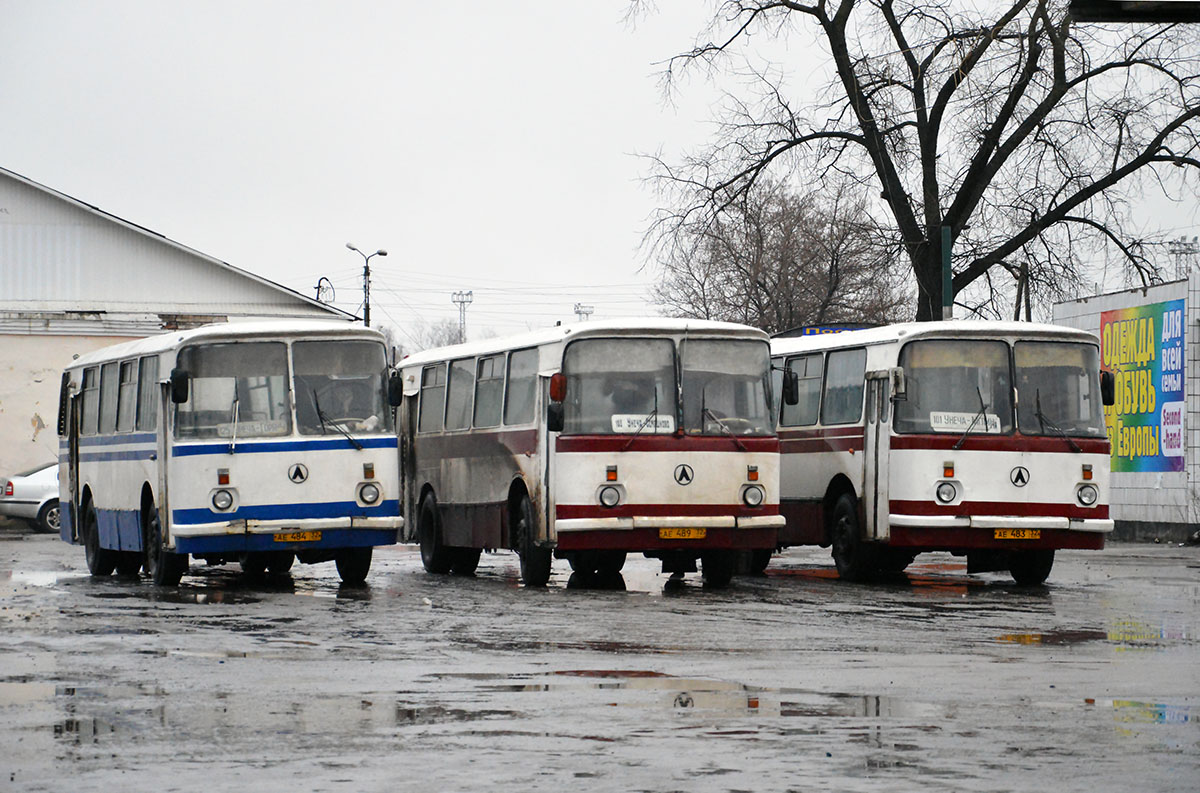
point(33, 496)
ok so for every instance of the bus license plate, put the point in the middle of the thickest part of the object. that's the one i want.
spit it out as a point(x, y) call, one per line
point(1018, 534)
point(298, 536)
point(682, 534)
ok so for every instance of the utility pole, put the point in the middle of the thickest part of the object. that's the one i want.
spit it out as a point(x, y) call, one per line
point(462, 299)
point(582, 312)
point(366, 280)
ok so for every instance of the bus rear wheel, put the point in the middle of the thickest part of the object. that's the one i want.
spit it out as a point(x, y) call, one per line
point(535, 560)
point(1031, 568)
point(353, 565)
point(854, 558)
point(465, 560)
point(165, 568)
point(603, 563)
point(100, 561)
point(435, 555)
point(717, 568)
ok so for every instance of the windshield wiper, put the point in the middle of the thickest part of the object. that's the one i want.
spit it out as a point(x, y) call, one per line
point(706, 411)
point(337, 426)
point(652, 417)
point(1044, 421)
point(982, 410)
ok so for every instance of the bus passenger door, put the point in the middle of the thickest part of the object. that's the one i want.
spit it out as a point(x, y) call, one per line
point(875, 455)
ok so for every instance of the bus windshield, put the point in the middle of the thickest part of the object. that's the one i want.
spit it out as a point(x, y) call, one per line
point(617, 386)
point(238, 390)
point(1058, 389)
point(726, 387)
point(956, 386)
point(340, 387)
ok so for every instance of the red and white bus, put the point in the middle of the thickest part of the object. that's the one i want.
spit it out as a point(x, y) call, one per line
point(980, 438)
point(591, 441)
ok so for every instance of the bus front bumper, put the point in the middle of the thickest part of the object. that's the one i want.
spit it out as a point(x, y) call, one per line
point(280, 535)
point(935, 532)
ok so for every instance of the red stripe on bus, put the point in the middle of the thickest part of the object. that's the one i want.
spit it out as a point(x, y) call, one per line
point(998, 508)
point(1002, 443)
point(664, 443)
point(567, 511)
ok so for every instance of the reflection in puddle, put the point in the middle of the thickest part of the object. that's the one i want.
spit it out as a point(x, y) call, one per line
point(1054, 638)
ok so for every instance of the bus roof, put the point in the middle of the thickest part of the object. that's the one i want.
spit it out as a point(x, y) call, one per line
point(223, 331)
point(577, 330)
point(918, 330)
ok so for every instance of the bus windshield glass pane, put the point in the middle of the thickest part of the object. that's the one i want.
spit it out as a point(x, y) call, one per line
point(341, 383)
point(726, 387)
point(1058, 389)
point(243, 380)
point(619, 386)
point(956, 384)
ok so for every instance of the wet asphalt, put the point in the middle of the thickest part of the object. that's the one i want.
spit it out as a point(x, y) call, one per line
point(792, 681)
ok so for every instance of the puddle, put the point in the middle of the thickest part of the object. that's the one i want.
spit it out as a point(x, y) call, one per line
point(1054, 638)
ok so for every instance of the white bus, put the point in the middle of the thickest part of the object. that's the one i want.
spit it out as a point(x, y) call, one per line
point(980, 438)
point(590, 441)
point(260, 442)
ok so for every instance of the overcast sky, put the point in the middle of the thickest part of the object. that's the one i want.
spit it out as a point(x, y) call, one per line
point(487, 146)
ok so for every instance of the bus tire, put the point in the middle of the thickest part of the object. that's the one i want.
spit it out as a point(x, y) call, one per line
point(854, 558)
point(100, 561)
point(717, 568)
point(435, 556)
point(1031, 568)
point(604, 563)
point(253, 563)
point(280, 562)
point(894, 560)
point(535, 560)
point(129, 563)
point(465, 560)
point(165, 568)
point(760, 558)
point(47, 518)
point(353, 564)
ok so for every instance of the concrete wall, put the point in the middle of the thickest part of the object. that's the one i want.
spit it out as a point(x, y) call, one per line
point(30, 373)
point(1155, 506)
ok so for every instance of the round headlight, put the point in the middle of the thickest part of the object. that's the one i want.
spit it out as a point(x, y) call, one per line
point(753, 496)
point(368, 493)
point(1087, 495)
point(946, 492)
point(610, 496)
point(222, 500)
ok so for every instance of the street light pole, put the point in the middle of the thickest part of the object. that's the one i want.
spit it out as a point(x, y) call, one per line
point(366, 280)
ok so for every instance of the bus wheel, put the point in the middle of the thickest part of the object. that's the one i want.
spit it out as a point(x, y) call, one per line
point(851, 555)
point(466, 560)
point(165, 568)
point(605, 563)
point(129, 563)
point(1031, 568)
point(353, 564)
point(717, 568)
point(895, 560)
point(434, 554)
point(253, 563)
point(535, 560)
point(100, 561)
point(760, 558)
point(279, 562)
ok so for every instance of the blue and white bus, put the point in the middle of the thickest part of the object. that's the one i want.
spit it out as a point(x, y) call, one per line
point(257, 442)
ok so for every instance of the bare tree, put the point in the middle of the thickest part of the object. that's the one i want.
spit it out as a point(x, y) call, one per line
point(777, 259)
point(1023, 133)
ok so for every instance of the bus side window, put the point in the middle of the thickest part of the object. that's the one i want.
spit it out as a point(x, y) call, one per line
point(521, 389)
point(489, 391)
point(147, 394)
point(433, 398)
point(108, 397)
point(808, 374)
point(460, 393)
point(127, 397)
point(843, 398)
point(91, 401)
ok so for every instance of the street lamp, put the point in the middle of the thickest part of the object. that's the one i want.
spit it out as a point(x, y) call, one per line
point(366, 280)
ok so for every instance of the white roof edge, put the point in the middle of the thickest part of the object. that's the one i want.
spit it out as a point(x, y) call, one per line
point(177, 245)
point(599, 327)
point(910, 330)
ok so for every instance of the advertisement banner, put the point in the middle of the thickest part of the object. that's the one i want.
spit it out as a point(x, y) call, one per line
point(1143, 347)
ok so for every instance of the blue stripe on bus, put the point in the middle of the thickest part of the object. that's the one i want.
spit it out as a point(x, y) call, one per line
point(325, 509)
point(330, 539)
point(263, 447)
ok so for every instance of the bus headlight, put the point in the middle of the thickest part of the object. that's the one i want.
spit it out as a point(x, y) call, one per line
point(1087, 495)
point(368, 493)
point(609, 496)
point(946, 492)
point(753, 496)
point(222, 500)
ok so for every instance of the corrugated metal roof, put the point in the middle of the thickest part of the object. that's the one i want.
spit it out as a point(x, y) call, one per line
point(59, 254)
